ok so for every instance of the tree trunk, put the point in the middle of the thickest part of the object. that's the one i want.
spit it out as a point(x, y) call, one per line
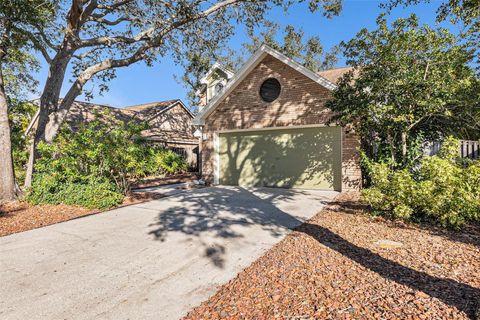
point(7, 177)
point(404, 147)
point(391, 144)
point(48, 105)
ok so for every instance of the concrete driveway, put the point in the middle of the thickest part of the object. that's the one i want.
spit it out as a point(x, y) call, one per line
point(155, 260)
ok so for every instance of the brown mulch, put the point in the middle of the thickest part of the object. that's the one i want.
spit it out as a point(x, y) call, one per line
point(19, 216)
point(164, 180)
point(332, 268)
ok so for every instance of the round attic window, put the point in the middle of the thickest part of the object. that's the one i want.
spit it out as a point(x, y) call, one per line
point(270, 90)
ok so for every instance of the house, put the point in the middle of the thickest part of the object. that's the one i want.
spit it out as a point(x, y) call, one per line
point(170, 123)
point(267, 126)
point(213, 82)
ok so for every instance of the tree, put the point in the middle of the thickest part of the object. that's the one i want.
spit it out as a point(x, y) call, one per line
point(308, 52)
point(466, 13)
point(409, 82)
point(15, 65)
point(291, 42)
point(96, 38)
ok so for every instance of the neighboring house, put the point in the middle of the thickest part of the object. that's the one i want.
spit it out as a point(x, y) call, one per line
point(170, 123)
point(267, 127)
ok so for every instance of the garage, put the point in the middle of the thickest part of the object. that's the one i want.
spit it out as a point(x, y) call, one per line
point(270, 126)
point(299, 157)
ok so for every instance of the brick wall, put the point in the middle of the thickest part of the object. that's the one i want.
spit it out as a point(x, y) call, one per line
point(301, 102)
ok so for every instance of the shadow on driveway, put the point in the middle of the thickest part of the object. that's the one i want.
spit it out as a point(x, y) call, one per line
point(225, 212)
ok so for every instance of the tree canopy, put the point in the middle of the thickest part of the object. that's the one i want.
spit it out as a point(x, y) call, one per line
point(16, 64)
point(408, 82)
point(292, 42)
point(94, 38)
point(464, 13)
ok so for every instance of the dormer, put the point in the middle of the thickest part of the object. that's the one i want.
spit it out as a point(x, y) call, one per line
point(213, 83)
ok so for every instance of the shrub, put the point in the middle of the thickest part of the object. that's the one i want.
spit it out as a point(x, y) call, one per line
point(92, 193)
point(171, 162)
point(20, 114)
point(440, 190)
point(95, 165)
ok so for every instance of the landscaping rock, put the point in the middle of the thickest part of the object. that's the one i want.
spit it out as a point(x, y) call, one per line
point(388, 244)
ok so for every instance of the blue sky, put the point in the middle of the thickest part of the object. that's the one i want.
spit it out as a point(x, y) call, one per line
point(141, 84)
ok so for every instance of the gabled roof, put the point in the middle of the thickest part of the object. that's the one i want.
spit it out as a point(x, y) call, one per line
point(156, 107)
point(81, 112)
point(333, 75)
point(254, 60)
point(159, 105)
point(216, 66)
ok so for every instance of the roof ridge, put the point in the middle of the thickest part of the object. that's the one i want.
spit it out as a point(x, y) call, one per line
point(149, 103)
point(337, 68)
point(92, 103)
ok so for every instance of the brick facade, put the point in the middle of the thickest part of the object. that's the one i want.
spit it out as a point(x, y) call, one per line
point(301, 102)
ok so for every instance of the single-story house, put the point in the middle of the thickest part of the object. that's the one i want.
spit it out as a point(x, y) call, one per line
point(267, 126)
point(170, 123)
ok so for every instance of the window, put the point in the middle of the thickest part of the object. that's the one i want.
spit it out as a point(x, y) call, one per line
point(270, 90)
point(218, 88)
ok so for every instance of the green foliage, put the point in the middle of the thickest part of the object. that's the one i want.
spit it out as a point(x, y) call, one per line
point(307, 51)
point(90, 193)
point(170, 162)
point(18, 61)
point(95, 165)
point(20, 114)
point(449, 150)
point(464, 13)
point(410, 83)
point(441, 190)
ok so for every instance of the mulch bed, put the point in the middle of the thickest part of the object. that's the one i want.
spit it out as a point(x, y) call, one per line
point(333, 268)
point(20, 216)
point(164, 180)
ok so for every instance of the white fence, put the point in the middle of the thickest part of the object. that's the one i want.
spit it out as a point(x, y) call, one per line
point(470, 149)
point(466, 149)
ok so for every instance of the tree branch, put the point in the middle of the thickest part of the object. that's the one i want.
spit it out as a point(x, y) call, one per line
point(108, 41)
point(92, 5)
point(36, 43)
point(56, 119)
point(101, 20)
point(109, 9)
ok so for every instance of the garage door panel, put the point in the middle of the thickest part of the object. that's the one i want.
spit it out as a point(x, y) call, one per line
point(302, 158)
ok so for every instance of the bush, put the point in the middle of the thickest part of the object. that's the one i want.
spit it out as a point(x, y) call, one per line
point(92, 193)
point(171, 162)
point(20, 114)
point(96, 164)
point(440, 190)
